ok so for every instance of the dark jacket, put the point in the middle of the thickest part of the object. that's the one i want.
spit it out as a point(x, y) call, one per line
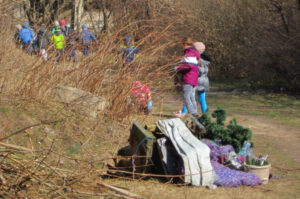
point(43, 38)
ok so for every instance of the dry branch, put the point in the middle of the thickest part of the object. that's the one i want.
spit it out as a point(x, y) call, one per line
point(3, 180)
point(15, 147)
point(27, 127)
point(119, 191)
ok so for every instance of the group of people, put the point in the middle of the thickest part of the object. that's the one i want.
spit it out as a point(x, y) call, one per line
point(194, 80)
point(193, 67)
point(62, 36)
point(192, 72)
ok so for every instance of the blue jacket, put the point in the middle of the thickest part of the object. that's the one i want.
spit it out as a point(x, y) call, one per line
point(26, 35)
point(86, 36)
point(129, 53)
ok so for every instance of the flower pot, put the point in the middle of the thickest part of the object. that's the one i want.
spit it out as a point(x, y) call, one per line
point(262, 172)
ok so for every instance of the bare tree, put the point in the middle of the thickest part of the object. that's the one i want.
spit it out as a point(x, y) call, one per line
point(77, 12)
point(43, 10)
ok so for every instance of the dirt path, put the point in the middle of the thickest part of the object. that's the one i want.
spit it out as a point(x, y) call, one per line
point(285, 138)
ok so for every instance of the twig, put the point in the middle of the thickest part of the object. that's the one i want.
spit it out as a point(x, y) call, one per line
point(119, 191)
point(2, 179)
point(19, 148)
point(27, 127)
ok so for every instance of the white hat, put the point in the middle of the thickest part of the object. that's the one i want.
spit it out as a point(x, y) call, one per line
point(199, 46)
point(56, 23)
point(19, 27)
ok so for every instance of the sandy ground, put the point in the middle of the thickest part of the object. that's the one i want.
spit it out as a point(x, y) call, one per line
point(285, 138)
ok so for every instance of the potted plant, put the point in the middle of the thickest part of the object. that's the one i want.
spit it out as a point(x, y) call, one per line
point(258, 166)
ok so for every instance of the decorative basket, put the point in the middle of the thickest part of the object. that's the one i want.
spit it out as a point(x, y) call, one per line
point(262, 172)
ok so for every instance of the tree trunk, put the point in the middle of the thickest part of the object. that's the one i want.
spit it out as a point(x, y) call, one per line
point(44, 11)
point(78, 9)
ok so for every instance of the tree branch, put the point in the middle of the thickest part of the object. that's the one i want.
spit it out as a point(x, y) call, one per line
point(27, 127)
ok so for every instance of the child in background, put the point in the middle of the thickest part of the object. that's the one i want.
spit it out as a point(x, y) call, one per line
point(26, 36)
point(128, 50)
point(59, 43)
point(62, 24)
point(203, 81)
point(142, 96)
point(43, 41)
point(56, 26)
point(189, 70)
point(86, 37)
point(71, 39)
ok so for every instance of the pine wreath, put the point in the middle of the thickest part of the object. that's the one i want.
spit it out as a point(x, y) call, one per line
point(232, 134)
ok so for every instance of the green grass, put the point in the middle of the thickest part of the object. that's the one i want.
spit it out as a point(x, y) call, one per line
point(226, 85)
point(281, 108)
point(75, 149)
point(4, 110)
point(245, 84)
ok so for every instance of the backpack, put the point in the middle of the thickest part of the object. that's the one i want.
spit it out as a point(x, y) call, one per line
point(26, 36)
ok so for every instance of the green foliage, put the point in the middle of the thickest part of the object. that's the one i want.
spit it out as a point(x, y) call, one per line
point(100, 164)
point(232, 134)
point(248, 160)
point(253, 161)
point(266, 163)
point(20, 112)
point(256, 161)
point(220, 116)
point(73, 149)
point(4, 110)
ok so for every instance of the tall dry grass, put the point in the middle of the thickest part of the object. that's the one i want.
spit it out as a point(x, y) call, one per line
point(61, 153)
point(103, 73)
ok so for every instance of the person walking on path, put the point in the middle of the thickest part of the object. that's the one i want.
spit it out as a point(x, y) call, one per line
point(62, 24)
point(43, 41)
point(59, 43)
point(203, 81)
point(71, 38)
point(56, 26)
point(128, 50)
point(68, 30)
point(26, 36)
point(35, 42)
point(86, 38)
point(189, 70)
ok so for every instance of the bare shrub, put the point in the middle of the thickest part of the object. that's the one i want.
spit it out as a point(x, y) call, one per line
point(63, 156)
point(256, 40)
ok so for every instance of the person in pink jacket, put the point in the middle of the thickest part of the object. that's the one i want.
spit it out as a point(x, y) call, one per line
point(189, 70)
